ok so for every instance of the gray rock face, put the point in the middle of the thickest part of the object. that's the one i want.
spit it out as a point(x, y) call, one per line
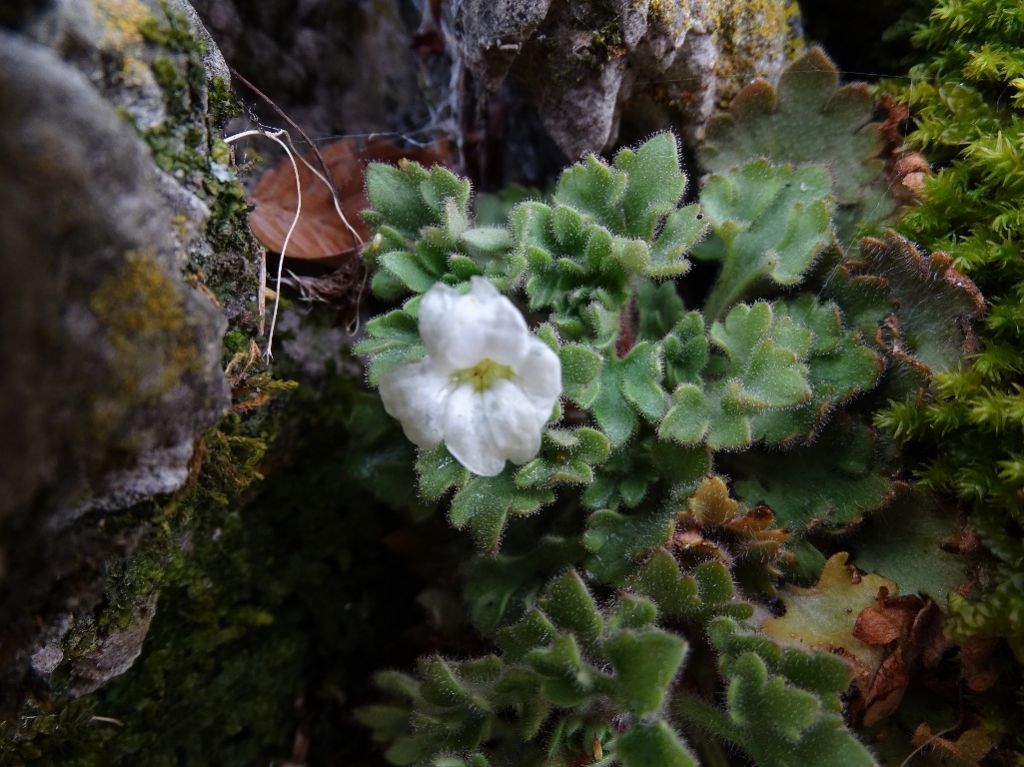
point(125, 365)
point(111, 355)
point(588, 65)
point(335, 66)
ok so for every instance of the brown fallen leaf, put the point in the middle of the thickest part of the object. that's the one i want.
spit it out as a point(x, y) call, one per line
point(320, 234)
point(911, 630)
point(976, 659)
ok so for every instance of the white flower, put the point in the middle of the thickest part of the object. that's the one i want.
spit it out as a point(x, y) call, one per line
point(486, 387)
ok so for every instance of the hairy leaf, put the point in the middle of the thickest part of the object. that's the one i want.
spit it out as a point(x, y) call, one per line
point(768, 223)
point(808, 118)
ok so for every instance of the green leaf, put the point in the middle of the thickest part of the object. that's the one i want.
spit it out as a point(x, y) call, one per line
point(640, 379)
point(518, 640)
point(905, 543)
point(632, 612)
point(661, 579)
point(652, 743)
point(499, 585)
point(655, 183)
point(768, 223)
point(395, 195)
point(689, 418)
point(659, 308)
point(629, 386)
point(699, 596)
point(568, 603)
point(685, 349)
point(392, 339)
point(487, 239)
point(409, 270)
point(936, 304)
point(807, 119)
point(580, 368)
point(683, 229)
point(440, 685)
point(441, 189)
point(560, 664)
point(645, 664)
point(752, 692)
point(801, 690)
point(612, 214)
point(613, 413)
point(567, 457)
point(841, 366)
point(835, 481)
point(403, 751)
point(761, 372)
point(615, 540)
point(769, 375)
point(439, 472)
point(484, 504)
point(594, 189)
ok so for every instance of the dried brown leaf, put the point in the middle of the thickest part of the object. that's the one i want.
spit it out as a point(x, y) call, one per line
point(320, 234)
point(966, 751)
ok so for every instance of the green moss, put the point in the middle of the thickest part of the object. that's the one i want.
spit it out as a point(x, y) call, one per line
point(187, 144)
point(224, 103)
point(270, 610)
point(965, 119)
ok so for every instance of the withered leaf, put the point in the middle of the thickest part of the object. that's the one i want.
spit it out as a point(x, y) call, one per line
point(966, 751)
point(320, 234)
point(935, 305)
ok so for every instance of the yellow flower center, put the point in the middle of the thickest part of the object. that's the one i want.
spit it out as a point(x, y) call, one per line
point(482, 375)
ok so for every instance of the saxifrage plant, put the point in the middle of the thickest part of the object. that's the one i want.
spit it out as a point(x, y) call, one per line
point(619, 587)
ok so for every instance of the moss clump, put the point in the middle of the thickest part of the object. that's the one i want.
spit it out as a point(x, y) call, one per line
point(189, 145)
point(967, 115)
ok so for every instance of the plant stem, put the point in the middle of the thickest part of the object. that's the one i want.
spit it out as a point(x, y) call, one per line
point(706, 717)
point(727, 291)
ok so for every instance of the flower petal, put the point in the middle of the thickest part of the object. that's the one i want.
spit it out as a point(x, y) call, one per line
point(415, 394)
point(539, 375)
point(514, 421)
point(467, 435)
point(461, 330)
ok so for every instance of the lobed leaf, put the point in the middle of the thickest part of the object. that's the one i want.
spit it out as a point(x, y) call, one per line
point(808, 118)
point(768, 223)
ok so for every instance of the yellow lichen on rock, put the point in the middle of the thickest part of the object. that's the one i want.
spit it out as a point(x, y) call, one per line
point(120, 21)
point(753, 37)
point(143, 311)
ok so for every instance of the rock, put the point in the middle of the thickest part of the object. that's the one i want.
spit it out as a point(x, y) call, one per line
point(112, 340)
point(657, 62)
point(113, 654)
point(334, 67)
point(127, 367)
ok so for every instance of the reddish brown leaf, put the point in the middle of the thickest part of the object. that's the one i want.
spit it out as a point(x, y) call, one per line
point(320, 235)
point(877, 627)
point(887, 688)
point(976, 658)
point(911, 629)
